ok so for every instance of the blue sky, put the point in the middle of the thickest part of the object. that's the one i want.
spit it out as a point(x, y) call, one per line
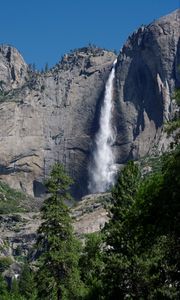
point(43, 30)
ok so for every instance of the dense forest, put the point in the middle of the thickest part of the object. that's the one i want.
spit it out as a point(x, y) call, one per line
point(135, 256)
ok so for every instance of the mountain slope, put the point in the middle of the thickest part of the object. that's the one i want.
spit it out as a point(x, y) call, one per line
point(45, 117)
point(52, 117)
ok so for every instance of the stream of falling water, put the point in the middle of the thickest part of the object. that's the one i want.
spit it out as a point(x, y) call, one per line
point(102, 170)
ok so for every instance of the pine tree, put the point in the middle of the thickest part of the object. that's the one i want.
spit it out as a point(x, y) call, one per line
point(46, 68)
point(123, 196)
point(58, 273)
point(120, 247)
point(27, 283)
point(3, 288)
point(142, 238)
point(91, 265)
point(14, 291)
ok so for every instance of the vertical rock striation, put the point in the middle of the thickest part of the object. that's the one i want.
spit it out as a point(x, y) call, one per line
point(45, 117)
point(147, 73)
point(51, 116)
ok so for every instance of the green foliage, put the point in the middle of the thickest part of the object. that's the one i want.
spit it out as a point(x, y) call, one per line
point(46, 68)
point(153, 164)
point(3, 288)
point(118, 267)
point(11, 200)
point(14, 290)
point(142, 259)
point(172, 126)
point(122, 198)
point(58, 275)
point(27, 287)
point(91, 265)
point(5, 262)
point(157, 199)
point(8, 95)
point(125, 188)
point(175, 122)
point(136, 256)
point(177, 96)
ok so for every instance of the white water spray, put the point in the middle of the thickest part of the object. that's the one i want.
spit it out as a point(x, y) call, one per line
point(102, 170)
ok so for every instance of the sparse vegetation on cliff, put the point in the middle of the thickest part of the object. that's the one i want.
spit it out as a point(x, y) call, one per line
point(15, 201)
point(11, 201)
point(175, 122)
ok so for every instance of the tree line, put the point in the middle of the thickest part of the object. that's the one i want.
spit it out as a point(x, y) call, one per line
point(135, 256)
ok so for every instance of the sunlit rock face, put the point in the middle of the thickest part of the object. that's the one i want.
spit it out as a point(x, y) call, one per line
point(13, 69)
point(54, 116)
point(147, 73)
point(50, 117)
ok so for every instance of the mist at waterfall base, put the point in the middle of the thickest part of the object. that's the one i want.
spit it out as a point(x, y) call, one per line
point(102, 169)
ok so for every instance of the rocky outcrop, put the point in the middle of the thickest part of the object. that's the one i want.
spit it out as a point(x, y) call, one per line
point(13, 69)
point(50, 117)
point(53, 116)
point(18, 231)
point(146, 75)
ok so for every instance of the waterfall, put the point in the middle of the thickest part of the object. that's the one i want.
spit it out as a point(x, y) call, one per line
point(101, 169)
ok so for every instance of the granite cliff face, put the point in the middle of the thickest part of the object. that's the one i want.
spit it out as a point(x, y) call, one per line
point(147, 73)
point(49, 117)
point(13, 69)
point(45, 117)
